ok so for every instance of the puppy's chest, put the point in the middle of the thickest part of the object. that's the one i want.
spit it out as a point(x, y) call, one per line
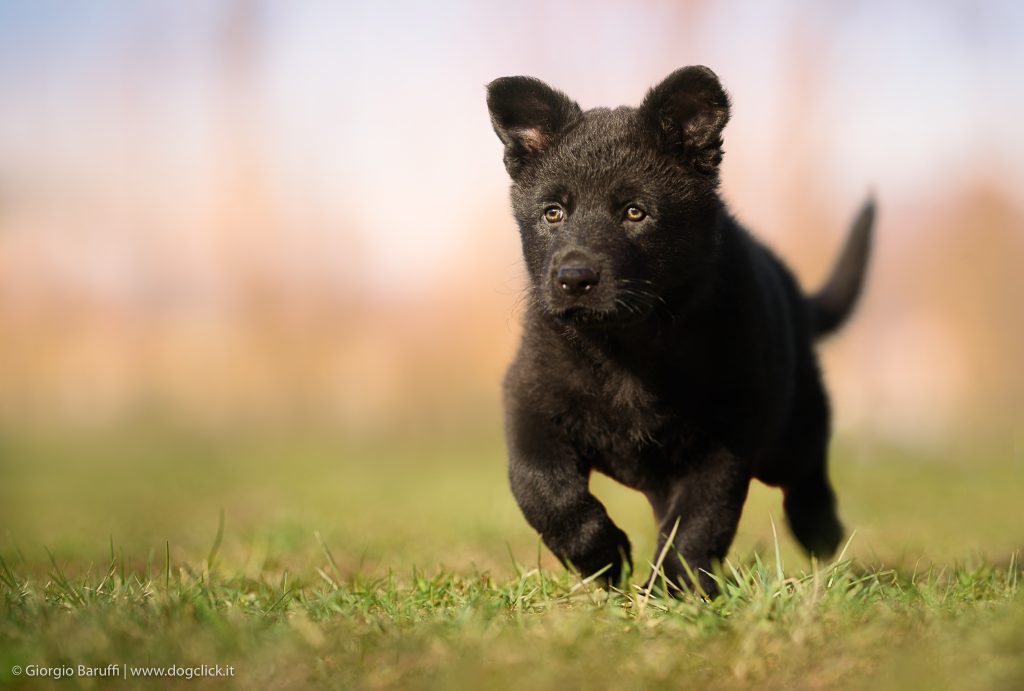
point(614, 413)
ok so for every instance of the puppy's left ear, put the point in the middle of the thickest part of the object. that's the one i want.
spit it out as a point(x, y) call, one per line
point(528, 116)
point(687, 112)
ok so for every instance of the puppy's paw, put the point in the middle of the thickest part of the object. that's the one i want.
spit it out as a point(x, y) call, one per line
point(676, 582)
point(816, 527)
point(606, 554)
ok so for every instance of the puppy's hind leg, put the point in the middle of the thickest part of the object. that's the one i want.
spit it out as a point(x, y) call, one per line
point(809, 501)
point(810, 506)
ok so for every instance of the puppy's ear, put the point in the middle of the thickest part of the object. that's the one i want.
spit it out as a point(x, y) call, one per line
point(528, 115)
point(687, 112)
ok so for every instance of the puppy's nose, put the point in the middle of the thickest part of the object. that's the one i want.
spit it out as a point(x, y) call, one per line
point(576, 279)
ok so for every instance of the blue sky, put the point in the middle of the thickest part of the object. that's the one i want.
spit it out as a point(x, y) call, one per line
point(356, 105)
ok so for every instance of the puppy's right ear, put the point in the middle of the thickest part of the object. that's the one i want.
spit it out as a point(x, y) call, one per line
point(528, 115)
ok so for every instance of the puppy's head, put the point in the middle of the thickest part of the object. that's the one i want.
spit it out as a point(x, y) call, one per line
point(616, 208)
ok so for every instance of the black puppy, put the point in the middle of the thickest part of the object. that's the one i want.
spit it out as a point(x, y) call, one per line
point(663, 345)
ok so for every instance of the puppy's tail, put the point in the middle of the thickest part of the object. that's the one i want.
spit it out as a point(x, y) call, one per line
point(833, 303)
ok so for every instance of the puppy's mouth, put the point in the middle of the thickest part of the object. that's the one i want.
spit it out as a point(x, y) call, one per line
point(582, 316)
point(622, 303)
point(598, 318)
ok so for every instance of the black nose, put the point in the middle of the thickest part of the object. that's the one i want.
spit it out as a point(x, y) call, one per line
point(576, 279)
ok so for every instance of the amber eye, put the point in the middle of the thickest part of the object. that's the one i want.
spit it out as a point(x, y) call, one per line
point(554, 214)
point(635, 213)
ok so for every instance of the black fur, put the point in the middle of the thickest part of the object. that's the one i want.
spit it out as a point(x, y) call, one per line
point(663, 345)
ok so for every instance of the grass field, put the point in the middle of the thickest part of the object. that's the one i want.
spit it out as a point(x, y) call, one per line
point(408, 566)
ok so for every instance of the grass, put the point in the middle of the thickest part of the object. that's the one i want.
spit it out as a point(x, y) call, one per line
point(309, 562)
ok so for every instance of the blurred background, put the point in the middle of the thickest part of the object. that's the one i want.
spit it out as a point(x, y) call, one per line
point(258, 256)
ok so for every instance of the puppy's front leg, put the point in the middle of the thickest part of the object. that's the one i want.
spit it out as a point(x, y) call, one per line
point(706, 497)
point(551, 484)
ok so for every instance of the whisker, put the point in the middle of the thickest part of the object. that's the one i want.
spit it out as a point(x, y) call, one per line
point(639, 294)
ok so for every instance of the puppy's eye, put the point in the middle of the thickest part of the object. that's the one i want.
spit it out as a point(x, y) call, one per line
point(554, 214)
point(635, 213)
